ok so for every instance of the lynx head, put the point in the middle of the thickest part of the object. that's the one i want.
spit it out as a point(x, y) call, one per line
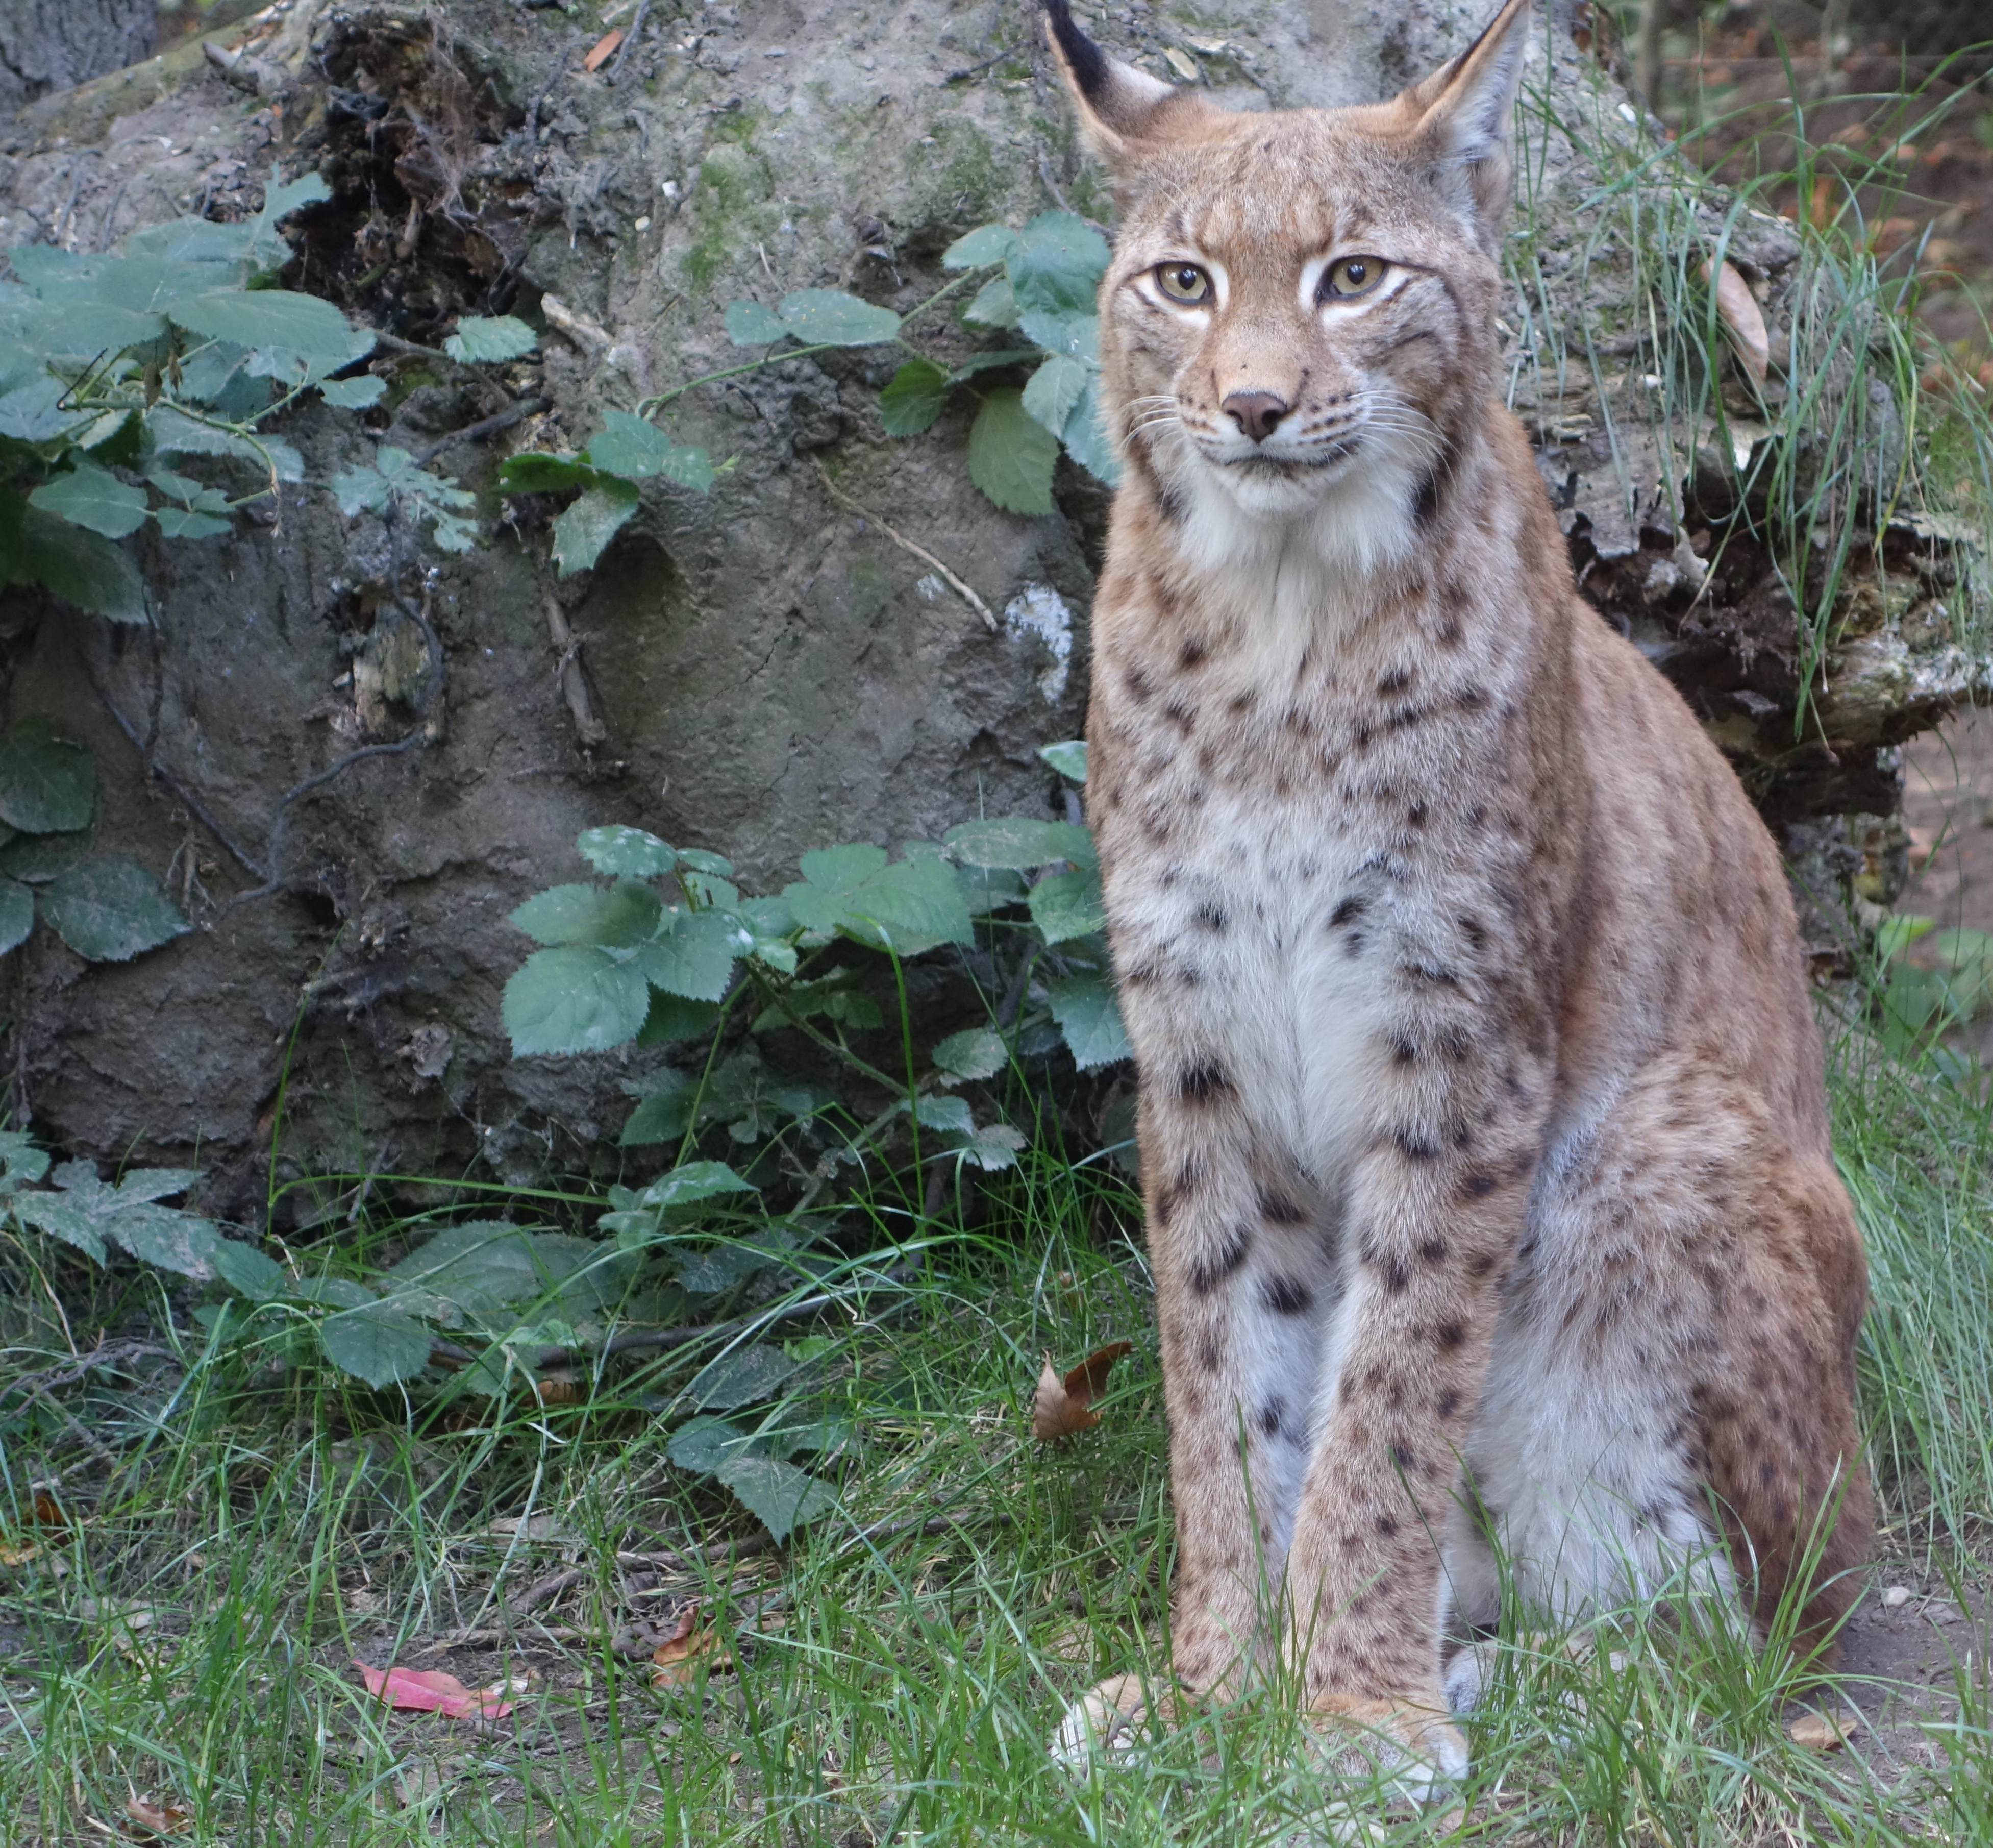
point(1298, 322)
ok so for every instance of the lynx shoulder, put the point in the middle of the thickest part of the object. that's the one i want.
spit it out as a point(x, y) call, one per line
point(1483, 1141)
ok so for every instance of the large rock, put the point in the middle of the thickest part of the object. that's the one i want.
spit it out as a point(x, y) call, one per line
point(767, 669)
point(48, 44)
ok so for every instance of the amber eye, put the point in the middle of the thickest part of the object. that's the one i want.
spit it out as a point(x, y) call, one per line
point(1183, 283)
point(1354, 275)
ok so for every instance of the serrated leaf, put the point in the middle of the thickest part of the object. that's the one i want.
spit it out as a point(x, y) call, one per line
point(480, 338)
point(636, 449)
point(1069, 758)
point(109, 911)
point(1086, 439)
point(93, 497)
point(91, 571)
point(994, 1147)
point(377, 1344)
point(84, 1212)
point(950, 1115)
point(626, 852)
point(618, 917)
point(987, 244)
point(179, 1242)
point(995, 304)
point(22, 1163)
point(978, 1052)
point(1090, 1018)
point(1067, 335)
point(853, 889)
point(573, 998)
point(595, 518)
point(693, 1182)
point(1019, 842)
point(533, 471)
point(664, 1117)
point(484, 1265)
point(47, 782)
point(820, 317)
point(353, 394)
point(750, 324)
point(700, 861)
point(36, 859)
point(182, 523)
point(17, 915)
point(703, 1444)
point(248, 1272)
point(777, 1495)
point(277, 319)
point(673, 1018)
point(744, 1377)
point(1011, 456)
point(1056, 262)
point(694, 956)
point(34, 412)
point(914, 399)
point(1068, 905)
point(1053, 390)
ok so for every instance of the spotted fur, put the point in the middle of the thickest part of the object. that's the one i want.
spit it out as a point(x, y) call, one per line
point(1481, 1117)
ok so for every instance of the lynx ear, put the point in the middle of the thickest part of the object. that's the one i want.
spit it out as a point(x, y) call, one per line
point(1465, 112)
point(1116, 105)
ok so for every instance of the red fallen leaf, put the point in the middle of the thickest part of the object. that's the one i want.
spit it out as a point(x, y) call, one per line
point(1738, 311)
point(430, 1691)
point(151, 1818)
point(1061, 1407)
point(682, 1654)
point(604, 49)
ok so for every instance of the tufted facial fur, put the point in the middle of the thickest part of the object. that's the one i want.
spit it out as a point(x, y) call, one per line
point(1483, 1137)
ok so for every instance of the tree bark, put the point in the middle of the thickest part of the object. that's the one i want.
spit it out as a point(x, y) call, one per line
point(48, 44)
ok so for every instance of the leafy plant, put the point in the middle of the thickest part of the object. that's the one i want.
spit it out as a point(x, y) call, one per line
point(1050, 270)
point(106, 910)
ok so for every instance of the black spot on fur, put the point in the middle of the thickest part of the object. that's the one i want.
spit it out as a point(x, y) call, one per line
point(1449, 1336)
point(1193, 655)
point(1203, 1083)
point(1209, 917)
point(1412, 1146)
point(1286, 1296)
point(1478, 1186)
point(1449, 1403)
point(1209, 1271)
point(1347, 909)
point(1396, 681)
point(1271, 1414)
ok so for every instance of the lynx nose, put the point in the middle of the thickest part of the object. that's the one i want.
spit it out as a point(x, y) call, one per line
point(1254, 412)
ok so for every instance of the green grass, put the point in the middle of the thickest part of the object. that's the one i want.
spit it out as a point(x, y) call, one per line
point(897, 1667)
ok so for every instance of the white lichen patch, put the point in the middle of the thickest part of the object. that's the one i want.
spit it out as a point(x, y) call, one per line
point(1038, 614)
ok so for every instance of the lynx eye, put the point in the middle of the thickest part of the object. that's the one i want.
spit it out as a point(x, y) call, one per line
point(1183, 283)
point(1354, 275)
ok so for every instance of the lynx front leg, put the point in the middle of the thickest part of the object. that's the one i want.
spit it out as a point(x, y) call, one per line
point(1434, 1219)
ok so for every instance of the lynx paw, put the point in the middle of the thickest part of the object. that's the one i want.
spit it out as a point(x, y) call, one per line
point(1103, 1724)
point(1417, 1747)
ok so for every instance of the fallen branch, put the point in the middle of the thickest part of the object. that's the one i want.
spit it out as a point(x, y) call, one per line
point(484, 427)
point(907, 545)
point(588, 726)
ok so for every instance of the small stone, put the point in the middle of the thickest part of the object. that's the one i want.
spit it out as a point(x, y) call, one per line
point(1824, 1732)
point(643, 224)
point(1895, 1597)
point(1945, 1614)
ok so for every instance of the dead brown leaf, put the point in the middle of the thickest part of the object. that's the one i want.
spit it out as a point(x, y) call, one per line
point(151, 1819)
point(604, 49)
point(1062, 1406)
point(1826, 1732)
point(1743, 320)
point(558, 1389)
point(681, 1656)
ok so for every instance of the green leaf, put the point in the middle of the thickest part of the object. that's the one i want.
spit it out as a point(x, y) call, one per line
point(1052, 391)
point(274, 318)
point(24, 1164)
point(353, 394)
point(743, 1377)
point(84, 1212)
point(821, 317)
point(995, 305)
point(673, 1018)
point(17, 914)
point(533, 471)
point(1010, 455)
point(1019, 842)
point(581, 532)
point(36, 859)
point(994, 1147)
point(635, 448)
point(664, 1117)
point(854, 890)
point(977, 1053)
point(1086, 437)
point(574, 998)
point(750, 324)
point(627, 852)
point(33, 413)
point(1090, 1018)
point(703, 1444)
point(914, 399)
point(950, 1115)
point(1068, 905)
point(109, 911)
point(90, 496)
point(484, 1265)
point(693, 1182)
point(482, 337)
point(178, 522)
point(694, 955)
point(248, 1272)
point(47, 782)
point(618, 917)
point(987, 244)
point(1069, 758)
point(377, 1344)
point(83, 566)
point(1064, 335)
point(777, 1495)
point(717, 865)
point(1056, 263)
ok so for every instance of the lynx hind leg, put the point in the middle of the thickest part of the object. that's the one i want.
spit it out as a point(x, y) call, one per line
point(1106, 1724)
point(1419, 1752)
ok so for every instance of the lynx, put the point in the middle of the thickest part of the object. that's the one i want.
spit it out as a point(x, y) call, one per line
point(1483, 1138)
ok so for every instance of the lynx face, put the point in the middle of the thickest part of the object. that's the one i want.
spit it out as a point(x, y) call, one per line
point(1301, 307)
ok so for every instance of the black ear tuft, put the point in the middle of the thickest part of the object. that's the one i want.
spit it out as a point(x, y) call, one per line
point(1086, 60)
